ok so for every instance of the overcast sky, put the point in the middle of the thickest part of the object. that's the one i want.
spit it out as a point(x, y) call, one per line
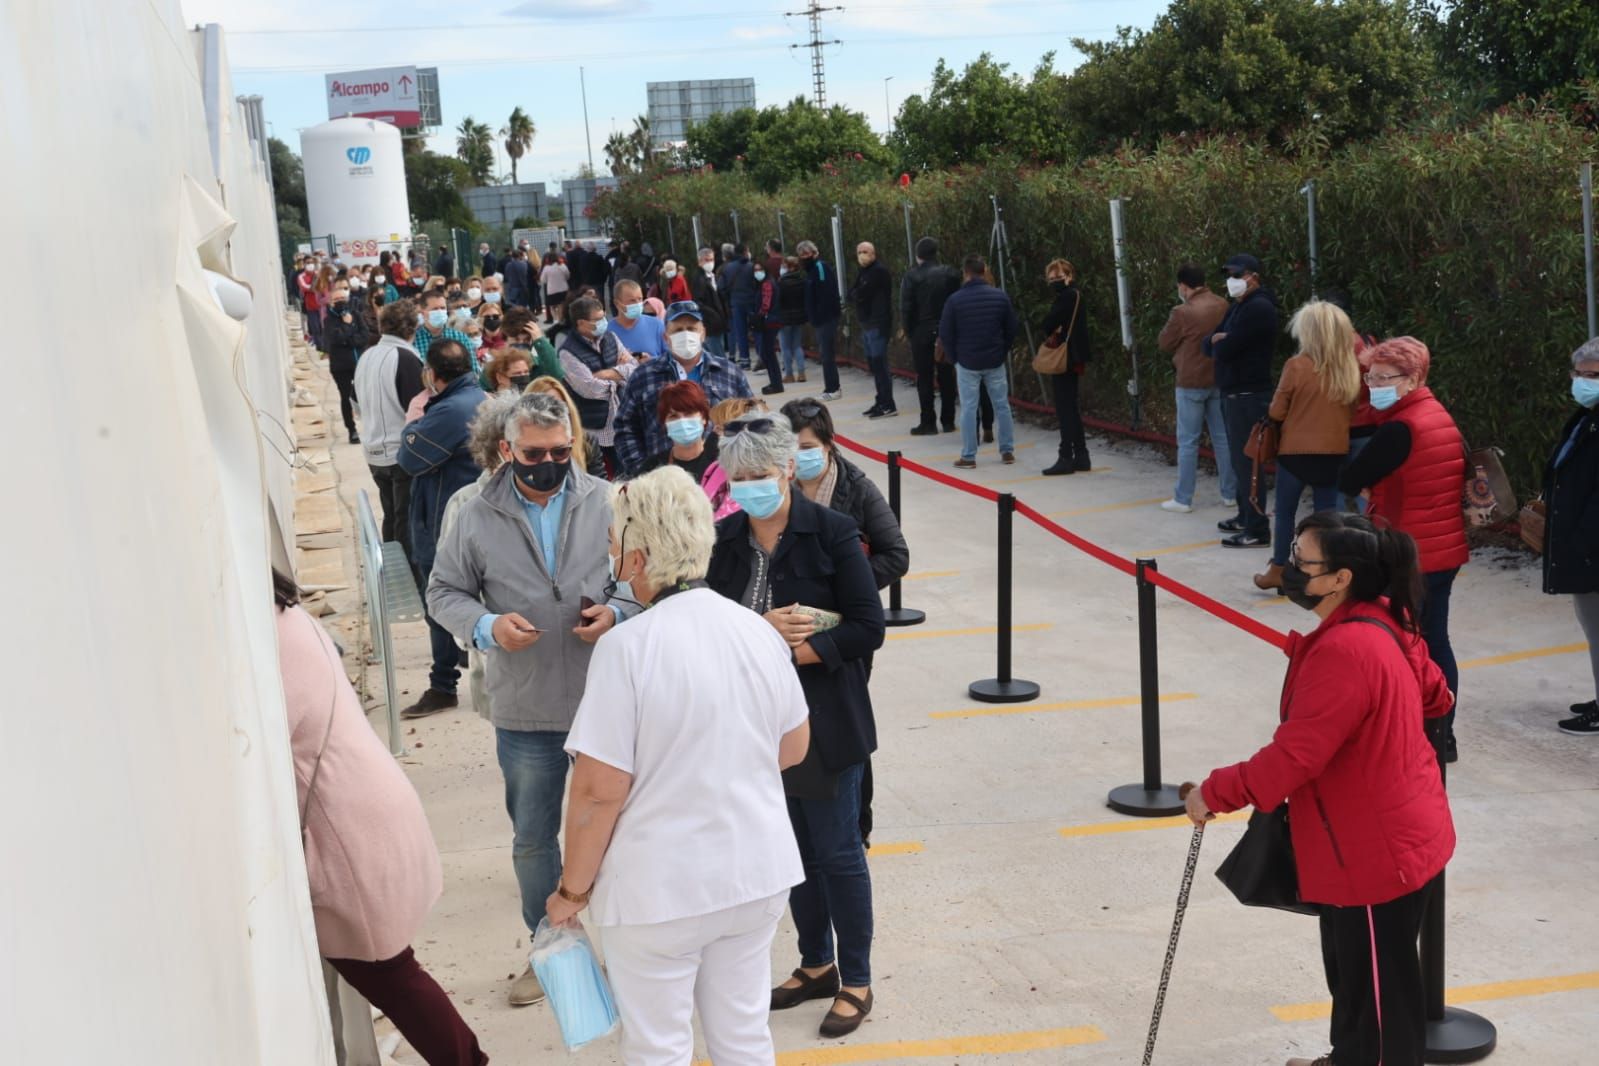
point(493, 57)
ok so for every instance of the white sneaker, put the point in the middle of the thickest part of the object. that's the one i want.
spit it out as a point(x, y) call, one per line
point(1179, 508)
point(829, 397)
point(1225, 502)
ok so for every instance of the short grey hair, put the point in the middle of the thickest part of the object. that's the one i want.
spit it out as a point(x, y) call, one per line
point(1588, 353)
point(806, 247)
point(707, 250)
point(538, 409)
point(727, 249)
point(668, 516)
point(756, 451)
point(488, 429)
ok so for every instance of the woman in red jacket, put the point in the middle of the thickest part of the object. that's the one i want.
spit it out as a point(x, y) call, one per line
point(1411, 472)
point(1368, 815)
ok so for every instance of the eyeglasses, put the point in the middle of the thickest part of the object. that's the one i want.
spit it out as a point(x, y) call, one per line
point(559, 454)
point(1295, 560)
point(754, 425)
point(1586, 375)
point(1384, 379)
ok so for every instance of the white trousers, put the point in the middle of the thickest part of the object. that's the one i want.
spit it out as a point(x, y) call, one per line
point(719, 962)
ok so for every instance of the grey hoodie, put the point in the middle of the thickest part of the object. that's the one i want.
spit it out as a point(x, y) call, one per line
point(490, 563)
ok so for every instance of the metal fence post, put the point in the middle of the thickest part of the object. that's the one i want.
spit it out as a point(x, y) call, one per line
point(898, 614)
point(733, 214)
point(1125, 300)
point(1004, 688)
point(1587, 245)
point(694, 220)
point(1309, 193)
point(1150, 798)
point(910, 243)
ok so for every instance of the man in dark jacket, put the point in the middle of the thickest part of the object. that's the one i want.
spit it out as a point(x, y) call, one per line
point(596, 269)
point(712, 301)
point(490, 264)
point(921, 303)
point(743, 296)
point(1242, 348)
point(1571, 523)
point(874, 309)
point(978, 327)
point(344, 336)
point(518, 280)
point(435, 453)
point(444, 265)
point(822, 311)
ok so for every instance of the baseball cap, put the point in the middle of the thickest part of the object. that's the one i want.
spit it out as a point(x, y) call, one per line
point(684, 307)
point(1242, 263)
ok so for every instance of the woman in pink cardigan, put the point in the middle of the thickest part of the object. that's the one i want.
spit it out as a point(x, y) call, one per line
point(369, 856)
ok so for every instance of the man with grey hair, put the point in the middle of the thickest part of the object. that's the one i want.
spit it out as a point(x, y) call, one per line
point(1571, 539)
point(524, 577)
point(822, 310)
point(712, 300)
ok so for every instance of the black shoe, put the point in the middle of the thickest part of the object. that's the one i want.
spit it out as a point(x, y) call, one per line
point(1584, 725)
point(926, 429)
point(988, 435)
point(432, 702)
point(771, 390)
point(1580, 709)
point(873, 411)
point(949, 426)
point(1230, 525)
point(1081, 463)
point(885, 412)
point(1246, 539)
point(1062, 466)
point(836, 1025)
point(823, 987)
point(1451, 753)
point(355, 438)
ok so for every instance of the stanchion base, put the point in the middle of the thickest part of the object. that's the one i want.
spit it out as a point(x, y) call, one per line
point(1460, 1036)
point(993, 690)
point(904, 616)
point(1141, 802)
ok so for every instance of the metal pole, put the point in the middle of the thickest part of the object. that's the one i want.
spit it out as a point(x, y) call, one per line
point(1453, 1034)
point(736, 238)
point(888, 111)
point(671, 238)
point(1587, 245)
point(780, 231)
point(897, 614)
point(998, 241)
point(1125, 300)
point(838, 265)
point(584, 86)
point(694, 220)
point(910, 245)
point(1309, 192)
point(1149, 798)
point(1004, 688)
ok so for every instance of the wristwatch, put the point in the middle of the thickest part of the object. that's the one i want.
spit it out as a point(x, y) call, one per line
point(573, 897)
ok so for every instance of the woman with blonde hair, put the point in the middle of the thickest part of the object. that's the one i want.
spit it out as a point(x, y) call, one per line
point(585, 453)
point(1066, 324)
point(1315, 397)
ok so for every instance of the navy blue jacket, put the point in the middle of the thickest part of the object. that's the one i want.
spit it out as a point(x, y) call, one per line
point(822, 306)
point(1571, 495)
point(742, 291)
point(433, 450)
point(978, 326)
point(1243, 358)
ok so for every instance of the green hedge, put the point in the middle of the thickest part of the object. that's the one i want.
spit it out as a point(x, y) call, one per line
point(1470, 240)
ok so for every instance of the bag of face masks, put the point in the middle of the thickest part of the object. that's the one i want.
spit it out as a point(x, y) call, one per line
point(563, 959)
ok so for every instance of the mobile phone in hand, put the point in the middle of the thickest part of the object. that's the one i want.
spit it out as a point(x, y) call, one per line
point(585, 603)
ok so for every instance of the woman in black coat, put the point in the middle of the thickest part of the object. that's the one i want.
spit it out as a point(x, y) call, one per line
point(345, 336)
point(1067, 322)
point(800, 565)
point(1571, 527)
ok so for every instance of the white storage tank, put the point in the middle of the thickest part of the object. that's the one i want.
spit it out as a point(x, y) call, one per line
point(355, 187)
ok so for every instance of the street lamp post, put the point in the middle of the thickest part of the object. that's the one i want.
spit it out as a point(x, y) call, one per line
point(888, 111)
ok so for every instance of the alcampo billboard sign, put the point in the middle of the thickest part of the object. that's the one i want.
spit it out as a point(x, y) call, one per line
point(388, 94)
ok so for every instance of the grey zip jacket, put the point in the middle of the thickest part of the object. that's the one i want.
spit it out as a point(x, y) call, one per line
point(490, 563)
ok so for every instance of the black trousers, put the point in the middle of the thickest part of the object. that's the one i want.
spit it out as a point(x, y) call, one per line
point(931, 374)
point(1241, 410)
point(394, 501)
point(1367, 1031)
point(1073, 443)
point(344, 378)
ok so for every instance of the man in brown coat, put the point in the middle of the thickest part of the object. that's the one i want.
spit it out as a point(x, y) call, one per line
point(1198, 400)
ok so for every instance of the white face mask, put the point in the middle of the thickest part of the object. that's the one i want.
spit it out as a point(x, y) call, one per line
point(685, 345)
point(474, 293)
point(1236, 287)
point(709, 268)
point(670, 274)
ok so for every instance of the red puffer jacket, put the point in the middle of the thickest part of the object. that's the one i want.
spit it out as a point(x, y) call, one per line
point(1422, 497)
point(1367, 810)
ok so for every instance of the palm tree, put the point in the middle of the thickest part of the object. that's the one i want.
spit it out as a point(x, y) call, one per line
point(619, 154)
point(519, 132)
point(643, 147)
point(474, 146)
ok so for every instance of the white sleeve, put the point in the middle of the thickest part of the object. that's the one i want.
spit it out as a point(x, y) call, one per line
point(606, 726)
point(788, 695)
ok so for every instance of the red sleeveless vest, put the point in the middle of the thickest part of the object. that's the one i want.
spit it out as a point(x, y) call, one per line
point(1422, 497)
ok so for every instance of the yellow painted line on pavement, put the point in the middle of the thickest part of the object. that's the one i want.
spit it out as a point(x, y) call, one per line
point(1534, 986)
point(943, 1048)
point(923, 575)
point(975, 631)
point(1134, 825)
point(1070, 705)
point(991, 459)
point(1125, 505)
point(1041, 477)
point(909, 847)
point(1275, 601)
point(1519, 656)
point(1178, 549)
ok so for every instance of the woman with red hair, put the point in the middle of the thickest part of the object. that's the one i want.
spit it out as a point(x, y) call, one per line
point(685, 414)
point(1411, 475)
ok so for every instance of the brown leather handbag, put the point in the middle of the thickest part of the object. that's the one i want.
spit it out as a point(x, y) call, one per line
point(1532, 520)
point(1053, 356)
point(1264, 440)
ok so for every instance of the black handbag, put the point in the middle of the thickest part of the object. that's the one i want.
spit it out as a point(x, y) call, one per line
point(1260, 869)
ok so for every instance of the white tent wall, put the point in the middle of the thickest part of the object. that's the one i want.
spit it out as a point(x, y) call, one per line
point(153, 907)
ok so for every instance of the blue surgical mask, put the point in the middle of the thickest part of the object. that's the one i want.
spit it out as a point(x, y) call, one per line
point(758, 499)
point(685, 430)
point(474, 343)
point(760, 275)
point(809, 463)
point(438, 317)
point(600, 328)
point(1384, 397)
point(491, 297)
point(1584, 391)
point(633, 310)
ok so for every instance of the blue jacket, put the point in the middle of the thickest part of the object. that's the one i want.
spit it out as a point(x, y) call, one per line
point(978, 326)
point(433, 450)
point(739, 284)
point(822, 307)
point(1243, 358)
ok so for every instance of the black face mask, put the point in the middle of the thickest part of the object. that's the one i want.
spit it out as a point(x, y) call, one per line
point(540, 477)
point(520, 382)
point(491, 322)
point(1058, 284)
point(1295, 581)
point(340, 307)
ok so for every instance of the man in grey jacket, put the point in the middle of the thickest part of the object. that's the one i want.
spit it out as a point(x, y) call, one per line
point(511, 578)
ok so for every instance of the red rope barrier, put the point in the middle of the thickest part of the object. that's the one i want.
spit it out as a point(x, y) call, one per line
point(982, 492)
point(1088, 547)
point(1220, 610)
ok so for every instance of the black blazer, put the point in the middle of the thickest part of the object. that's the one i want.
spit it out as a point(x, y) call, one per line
point(1571, 494)
point(818, 563)
point(1074, 333)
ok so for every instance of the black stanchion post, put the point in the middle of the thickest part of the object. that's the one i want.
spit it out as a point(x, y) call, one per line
point(1453, 1035)
point(1004, 688)
point(898, 614)
point(1150, 798)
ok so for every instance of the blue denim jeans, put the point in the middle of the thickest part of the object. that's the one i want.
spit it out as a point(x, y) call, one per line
point(790, 341)
point(534, 765)
point(1289, 492)
point(741, 332)
point(1437, 586)
point(836, 896)
point(994, 380)
point(1198, 410)
point(875, 342)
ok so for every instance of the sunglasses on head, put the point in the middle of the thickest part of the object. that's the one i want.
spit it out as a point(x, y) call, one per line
point(754, 425)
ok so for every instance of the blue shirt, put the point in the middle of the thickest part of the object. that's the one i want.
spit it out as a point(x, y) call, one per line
point(647, 336)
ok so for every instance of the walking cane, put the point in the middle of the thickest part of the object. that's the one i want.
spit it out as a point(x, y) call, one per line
point(1176, 930)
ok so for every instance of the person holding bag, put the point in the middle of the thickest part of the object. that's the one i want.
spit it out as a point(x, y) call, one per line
point(1064, 359)
point(1368, 816)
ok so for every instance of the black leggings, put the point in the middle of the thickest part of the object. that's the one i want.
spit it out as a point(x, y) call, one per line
point(1365, 1032)
point(344, 378)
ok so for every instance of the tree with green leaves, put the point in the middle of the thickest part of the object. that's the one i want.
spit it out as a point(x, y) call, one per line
point(433, 182)
point(782, 144)
point(474, 146)
point(620, 155)
point(1256, 67)
point(518, 133)
point(288, 184)
point(1501, 49)
point(982, 114)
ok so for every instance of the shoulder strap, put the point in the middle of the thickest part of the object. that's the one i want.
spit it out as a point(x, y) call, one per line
point(316, 767)
point(1370, 621)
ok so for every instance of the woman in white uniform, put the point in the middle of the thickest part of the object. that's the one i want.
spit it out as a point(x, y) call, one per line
point(677, 832)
